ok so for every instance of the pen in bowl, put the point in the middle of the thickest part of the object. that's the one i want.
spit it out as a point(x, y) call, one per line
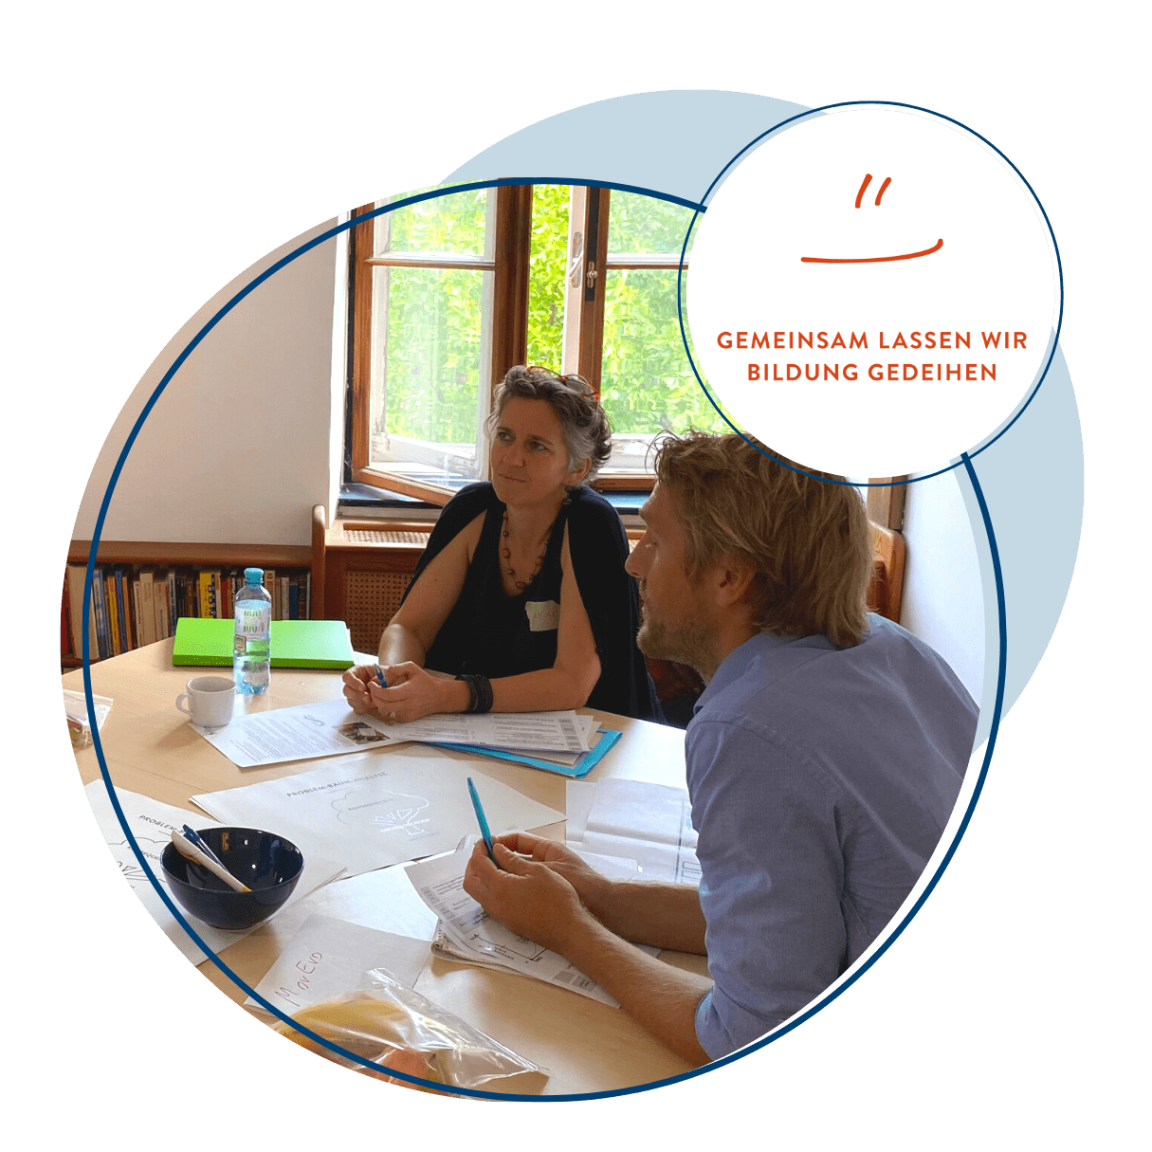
point(191, 852)
point(198, 841)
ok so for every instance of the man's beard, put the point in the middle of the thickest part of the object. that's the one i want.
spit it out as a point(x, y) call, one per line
point(691, 645)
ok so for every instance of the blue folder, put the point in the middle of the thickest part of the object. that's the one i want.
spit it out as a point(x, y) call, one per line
point(608, 738)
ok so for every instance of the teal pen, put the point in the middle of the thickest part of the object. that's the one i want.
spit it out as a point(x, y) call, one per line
point(482, 820)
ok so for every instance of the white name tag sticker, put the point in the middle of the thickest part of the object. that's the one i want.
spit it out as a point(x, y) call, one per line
point(543, 615)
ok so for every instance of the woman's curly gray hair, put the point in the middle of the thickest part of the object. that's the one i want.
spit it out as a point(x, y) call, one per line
point(587, 435)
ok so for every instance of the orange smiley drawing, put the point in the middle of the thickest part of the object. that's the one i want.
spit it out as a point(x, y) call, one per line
point(871, 259)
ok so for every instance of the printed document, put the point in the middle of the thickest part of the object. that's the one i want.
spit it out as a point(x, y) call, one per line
point(518, 731)
point(372, 811)
point(331, 728)
point(466, 931)
point(304, 732)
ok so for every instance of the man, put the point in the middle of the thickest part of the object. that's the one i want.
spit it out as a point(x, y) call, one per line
point(823, 759)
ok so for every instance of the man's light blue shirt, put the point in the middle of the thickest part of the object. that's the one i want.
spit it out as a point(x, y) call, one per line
point(821, 779)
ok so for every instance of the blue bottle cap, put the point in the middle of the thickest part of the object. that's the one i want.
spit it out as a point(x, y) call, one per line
point(254, 576)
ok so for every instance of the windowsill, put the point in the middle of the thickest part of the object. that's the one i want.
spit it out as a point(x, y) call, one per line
point(360, 499)
point(365, 501)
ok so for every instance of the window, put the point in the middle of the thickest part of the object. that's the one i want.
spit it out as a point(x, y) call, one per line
point(451, 291)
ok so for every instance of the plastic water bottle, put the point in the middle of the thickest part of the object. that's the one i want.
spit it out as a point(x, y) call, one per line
point(251, 655)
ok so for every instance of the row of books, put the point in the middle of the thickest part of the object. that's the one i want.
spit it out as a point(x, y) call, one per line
point(133, 605)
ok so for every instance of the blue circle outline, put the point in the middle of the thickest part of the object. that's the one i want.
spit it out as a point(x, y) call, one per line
point(178, 915)
point(963, 455)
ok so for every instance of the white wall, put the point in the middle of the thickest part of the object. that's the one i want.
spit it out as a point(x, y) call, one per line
point(943, 600)
point(244, 439)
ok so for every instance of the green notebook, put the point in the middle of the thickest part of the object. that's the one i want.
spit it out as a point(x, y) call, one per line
point(295, 643)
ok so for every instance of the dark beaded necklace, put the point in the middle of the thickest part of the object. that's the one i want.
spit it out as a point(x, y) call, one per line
point(506, 553)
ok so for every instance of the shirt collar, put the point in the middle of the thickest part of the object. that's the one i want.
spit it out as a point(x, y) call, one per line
point(738, 661)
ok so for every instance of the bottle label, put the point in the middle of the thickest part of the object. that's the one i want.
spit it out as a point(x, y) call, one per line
point(251, 621)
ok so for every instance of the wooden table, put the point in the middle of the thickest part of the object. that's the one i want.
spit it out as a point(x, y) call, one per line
point(586, 1046)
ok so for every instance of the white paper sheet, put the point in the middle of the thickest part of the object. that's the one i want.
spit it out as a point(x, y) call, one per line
point(373, 811)
point(648, 823)
point(331, 728)
point(151, 823)
point(304, 732)
point(467, 932)
point(592, 737)
point(329, 958)
point(578, 798)
point(516, 731)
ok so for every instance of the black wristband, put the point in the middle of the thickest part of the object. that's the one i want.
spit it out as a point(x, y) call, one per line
point(479, 692)
point(472, 693)
point(484, 692)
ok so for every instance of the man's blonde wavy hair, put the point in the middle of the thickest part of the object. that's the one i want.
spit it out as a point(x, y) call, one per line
point(807, 539)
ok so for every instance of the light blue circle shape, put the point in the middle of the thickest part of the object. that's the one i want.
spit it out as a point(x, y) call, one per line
point(1050, 349)
point(1032, 477)
point(1061, 419)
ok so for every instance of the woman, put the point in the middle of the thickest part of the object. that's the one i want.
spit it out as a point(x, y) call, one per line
point(521, 593)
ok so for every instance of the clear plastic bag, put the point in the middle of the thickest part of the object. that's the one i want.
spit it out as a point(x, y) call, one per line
point(391, 1025)
point(76, 713)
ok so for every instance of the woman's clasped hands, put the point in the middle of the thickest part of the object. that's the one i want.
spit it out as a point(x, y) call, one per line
point(411, 694)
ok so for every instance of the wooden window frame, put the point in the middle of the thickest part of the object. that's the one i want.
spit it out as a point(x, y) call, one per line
point(509, 266)
point(597, 264)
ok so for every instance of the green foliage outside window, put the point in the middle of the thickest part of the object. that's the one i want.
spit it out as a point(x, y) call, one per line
point(432, 357)
point(456, 223)
point(547, 265)
point(646, 382)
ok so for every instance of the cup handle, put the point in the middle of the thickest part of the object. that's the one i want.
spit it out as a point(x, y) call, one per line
point(180, 703)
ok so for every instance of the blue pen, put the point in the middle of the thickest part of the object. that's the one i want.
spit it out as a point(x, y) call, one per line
point(196, 839)
point(482, 820)
point(380, 676)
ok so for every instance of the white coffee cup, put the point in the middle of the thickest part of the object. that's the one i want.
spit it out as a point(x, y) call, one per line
point(209, 700)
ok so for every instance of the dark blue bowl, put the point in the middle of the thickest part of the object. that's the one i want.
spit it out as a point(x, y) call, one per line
point(267, 863)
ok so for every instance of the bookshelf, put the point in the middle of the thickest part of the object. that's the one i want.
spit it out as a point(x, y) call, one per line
point(357, 571)
point(131, 558)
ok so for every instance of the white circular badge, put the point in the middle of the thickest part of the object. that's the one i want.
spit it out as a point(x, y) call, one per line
point(873, 291)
